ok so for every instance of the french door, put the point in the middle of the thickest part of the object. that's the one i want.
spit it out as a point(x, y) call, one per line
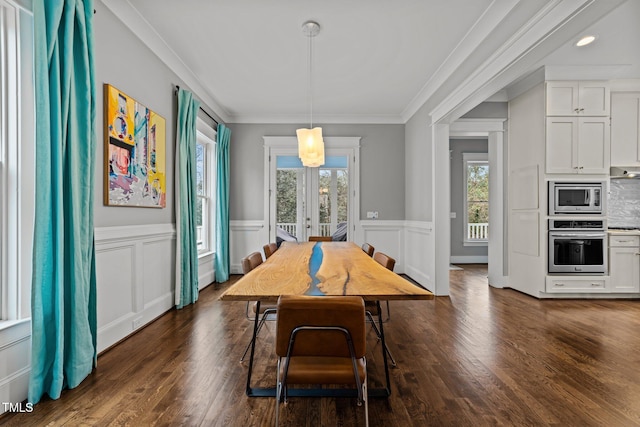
point(307, 201)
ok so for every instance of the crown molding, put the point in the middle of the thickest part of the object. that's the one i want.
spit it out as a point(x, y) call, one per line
point(140, 27)
point(554, 23)
point(487, 23)
point(317, 118)
point(585, 72)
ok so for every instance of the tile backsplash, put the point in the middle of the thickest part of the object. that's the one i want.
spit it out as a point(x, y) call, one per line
point(623, 207)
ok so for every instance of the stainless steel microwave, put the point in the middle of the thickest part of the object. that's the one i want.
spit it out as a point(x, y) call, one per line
point(576, 198)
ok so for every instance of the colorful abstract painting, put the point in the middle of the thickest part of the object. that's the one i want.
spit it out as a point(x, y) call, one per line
point(134, 154)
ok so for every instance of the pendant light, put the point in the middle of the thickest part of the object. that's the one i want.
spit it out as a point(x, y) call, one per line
point(310, 142)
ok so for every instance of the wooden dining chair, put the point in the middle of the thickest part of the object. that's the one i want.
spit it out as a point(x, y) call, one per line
point(320, 238)
point(372, 306)
point(384, 260)
point(368, 249)
point(269, 249)
point(321, 340)
point(266, 311)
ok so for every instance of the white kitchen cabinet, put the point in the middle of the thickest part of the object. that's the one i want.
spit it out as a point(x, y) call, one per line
point(624, 263)
point(578, 98)
point(577, 284)
point(577, 145)
point(625, 129)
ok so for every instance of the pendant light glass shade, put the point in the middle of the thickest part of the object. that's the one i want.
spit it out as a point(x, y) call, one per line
point(311, 146)
point(310, 142)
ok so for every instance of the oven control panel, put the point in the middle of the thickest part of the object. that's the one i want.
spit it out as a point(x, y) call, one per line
point(578, 224)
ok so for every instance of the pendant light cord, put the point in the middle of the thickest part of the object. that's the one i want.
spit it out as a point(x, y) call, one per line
point(310, 82)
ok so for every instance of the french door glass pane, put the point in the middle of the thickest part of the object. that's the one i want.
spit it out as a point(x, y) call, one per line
point(311, 201)
point(333, 195)
point(290, 190)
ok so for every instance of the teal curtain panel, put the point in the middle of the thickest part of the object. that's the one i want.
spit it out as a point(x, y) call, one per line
point(221, 260)
point(63, 296)
point(185, 183)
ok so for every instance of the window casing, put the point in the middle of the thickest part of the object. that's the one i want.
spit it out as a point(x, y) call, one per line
point(476, 198)
point(205, 186)
point(16, 158)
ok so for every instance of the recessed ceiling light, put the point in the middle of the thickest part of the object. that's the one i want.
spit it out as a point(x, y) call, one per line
point(585, 40)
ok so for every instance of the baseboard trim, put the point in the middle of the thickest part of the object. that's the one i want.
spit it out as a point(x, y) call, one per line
point(477, 259)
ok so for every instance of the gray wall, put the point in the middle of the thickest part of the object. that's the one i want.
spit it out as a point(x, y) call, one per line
point(382, 159)
point(457, 147)
point(489, 110)
point(123, 61)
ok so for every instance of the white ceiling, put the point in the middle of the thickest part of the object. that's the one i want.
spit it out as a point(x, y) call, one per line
point(374, 60)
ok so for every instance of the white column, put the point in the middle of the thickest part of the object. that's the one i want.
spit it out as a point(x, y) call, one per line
point(496, 210)
point(441, 207)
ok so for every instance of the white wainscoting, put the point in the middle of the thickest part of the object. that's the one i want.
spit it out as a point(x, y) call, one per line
point(15, 354)
point(385, 236)
point(419, 249)
point(135, 269)
point(245, 237)
point(411, 243)
point(206, 272)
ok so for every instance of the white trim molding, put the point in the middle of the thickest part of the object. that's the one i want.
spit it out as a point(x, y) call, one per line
point(555, 22)
point(15, 353)
point(469, 259)
point(419, 259)
point(131, 17)
point(245, 237)
point(135, 280)
point(348, 146)
point(385, 236)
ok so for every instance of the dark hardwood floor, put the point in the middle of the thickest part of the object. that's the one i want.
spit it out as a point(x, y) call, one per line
point(483, 356)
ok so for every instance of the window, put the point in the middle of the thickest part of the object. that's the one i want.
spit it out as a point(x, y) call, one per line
point(476, 195)
point(16, 159)
point(205, 186)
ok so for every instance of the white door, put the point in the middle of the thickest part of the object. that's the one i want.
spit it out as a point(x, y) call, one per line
point(309, 201)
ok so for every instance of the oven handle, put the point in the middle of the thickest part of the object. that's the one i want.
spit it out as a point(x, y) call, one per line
point(578, 235)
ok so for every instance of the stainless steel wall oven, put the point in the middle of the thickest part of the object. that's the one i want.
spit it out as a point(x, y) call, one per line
point(577, 246)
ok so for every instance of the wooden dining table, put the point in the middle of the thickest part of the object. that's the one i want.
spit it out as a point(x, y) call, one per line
point(320, 269)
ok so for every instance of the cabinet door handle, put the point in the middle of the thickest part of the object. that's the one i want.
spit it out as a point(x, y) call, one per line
point(581, 167)
point(576, 110)
point(559, 284)
point(582, 109)
point(595, 284)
